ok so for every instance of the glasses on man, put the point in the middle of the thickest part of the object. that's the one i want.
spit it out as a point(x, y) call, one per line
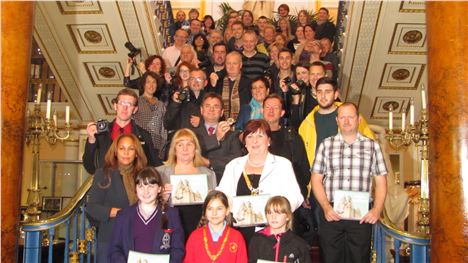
point(125, 103)
point(197, 79)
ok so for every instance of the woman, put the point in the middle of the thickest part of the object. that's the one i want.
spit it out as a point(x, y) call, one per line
point(200, 44)
point(154, 63)
point(150, 114)
point(260, 172)
point(309, 33)
point(281, 40)
point(299, 39)
point(259, 89)
point(303, 18)
point(247, 20)
point(182, 76)
point(208, 24)
point(308, 53)
point(113, 187)
point(185, 158)
point(285, 28)
point(273, 51)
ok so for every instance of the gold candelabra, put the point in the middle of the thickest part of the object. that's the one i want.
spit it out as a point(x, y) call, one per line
point(417, 133)
point(37, 127)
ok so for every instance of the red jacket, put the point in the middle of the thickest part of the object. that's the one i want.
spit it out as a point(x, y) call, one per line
point(234, 250)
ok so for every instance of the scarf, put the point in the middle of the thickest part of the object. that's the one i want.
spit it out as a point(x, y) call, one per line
point(255, 110)
point(129, 182)
point(231, 99)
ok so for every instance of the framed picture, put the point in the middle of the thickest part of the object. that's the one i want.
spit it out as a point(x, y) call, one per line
point(249, 210)
point(140, 257)
point(351, 205)
point(51, 204)
point(189, 189)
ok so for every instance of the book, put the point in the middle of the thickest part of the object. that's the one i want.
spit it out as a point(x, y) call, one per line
point(351, 205)
point(140, 257)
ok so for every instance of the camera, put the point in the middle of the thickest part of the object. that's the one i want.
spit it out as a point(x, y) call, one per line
point(184, 95)
point(300, 84)
point(133, 50)
point(102, 126)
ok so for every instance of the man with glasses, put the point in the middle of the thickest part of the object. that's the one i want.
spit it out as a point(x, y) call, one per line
point(98, 143)
point(171, 55)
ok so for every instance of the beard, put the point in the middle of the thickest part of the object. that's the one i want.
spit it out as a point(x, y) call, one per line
point(326, 106)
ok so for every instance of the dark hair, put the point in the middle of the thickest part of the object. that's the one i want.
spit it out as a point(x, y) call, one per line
point(262, 79)
point(205, 44)
point(212, 195)
point(142, 82)
point(327, 80)
point(213, 95)
point(283, 50)
point(253, 126)
point(311, 27)
point(262, 17)
point(283, 6)
point(126, 92)
point(150, 59)
point(324, 9)
point(220, 44)
point(195, 21)
point(274, 96)
point(238, 23)
point(319, 64)
point(303, 65)
point(212, 20)
point(149, 175)
point(245, 12)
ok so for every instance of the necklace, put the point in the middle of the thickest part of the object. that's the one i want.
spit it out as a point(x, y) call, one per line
point(253, 191)
point(207, 249)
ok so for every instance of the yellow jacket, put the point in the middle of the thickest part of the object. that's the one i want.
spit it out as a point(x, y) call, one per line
point(309, 135)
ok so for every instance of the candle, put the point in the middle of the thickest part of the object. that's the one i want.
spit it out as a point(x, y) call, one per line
point(411, 116)
point(49, 106)
point(424, 179)
point(67, 114)
point(423, 98)
point(39, 93)
point(55, 118)
point(390, 118)
point(403, 120)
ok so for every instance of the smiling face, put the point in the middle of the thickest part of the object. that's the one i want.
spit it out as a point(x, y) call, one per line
point(186, 54)
point(199, 42)
point(249, 41)
point(309, 33)
point(259, 91)
point(126, 151)
point(300, 32)
point(185, 150)
point(211, 110)
point(237, 31)
point(302, 17)
point(216, 212)
point(257, 143)
point(184, 73)
point(285, 60)
point(315, 73)
point(302, 74)
point(147, 193)
point(150, 86)
point(155, 65)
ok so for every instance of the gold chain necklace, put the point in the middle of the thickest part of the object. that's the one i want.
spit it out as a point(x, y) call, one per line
point(205, 240)
point(253, 191)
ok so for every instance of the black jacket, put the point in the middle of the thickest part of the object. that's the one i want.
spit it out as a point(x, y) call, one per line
point(93, 156)
point(178, 114)
point(291, 247)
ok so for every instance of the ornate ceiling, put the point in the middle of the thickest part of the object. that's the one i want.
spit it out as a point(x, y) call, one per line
point(383, 59)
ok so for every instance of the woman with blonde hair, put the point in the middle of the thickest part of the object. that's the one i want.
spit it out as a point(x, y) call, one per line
point(285, 28)
point(113, 187)
point(185, 158)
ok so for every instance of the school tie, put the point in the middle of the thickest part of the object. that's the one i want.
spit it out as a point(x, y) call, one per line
point(211, 130)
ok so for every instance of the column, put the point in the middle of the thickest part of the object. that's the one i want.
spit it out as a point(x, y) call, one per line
point(447, 31)
point(17, 19)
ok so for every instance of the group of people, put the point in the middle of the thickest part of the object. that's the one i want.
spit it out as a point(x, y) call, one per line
point(254, 123)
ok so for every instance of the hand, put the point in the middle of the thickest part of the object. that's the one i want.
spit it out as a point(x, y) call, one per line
point(306, 204)
point(166, 192)
point(195, 121)
point(222, 129)
point(330, 214)
point(141, 67)
point(113, 212)
point(167, 77)
point(213, 79)
point(175, 97)
point(283, 86)
point(91, 130)
point(371, 217)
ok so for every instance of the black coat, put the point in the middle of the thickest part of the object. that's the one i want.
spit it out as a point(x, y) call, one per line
point(178, 114)
point(93, 156)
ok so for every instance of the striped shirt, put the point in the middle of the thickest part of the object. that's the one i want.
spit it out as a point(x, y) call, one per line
point(255, 66)
point(346, 166)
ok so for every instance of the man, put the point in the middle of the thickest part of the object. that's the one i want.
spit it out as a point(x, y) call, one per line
point(235, 43)
point(97, 144)
point(218, 70)
point(269, 34)
point(195, 28)
point(286, 142)
point(219, 144)
point(184, 111)
point(329, 55)
point(323, 27)
point(281, 80)
point(302, 103)
point(214, 37)
point(320, 122)
point(262, 22)
point(283, 12)
point(348, 161)
point(171, 55)
point(254, 64)
point(235, 88)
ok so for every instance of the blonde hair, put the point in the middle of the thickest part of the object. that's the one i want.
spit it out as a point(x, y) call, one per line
point(179, 136)
point(280, 205)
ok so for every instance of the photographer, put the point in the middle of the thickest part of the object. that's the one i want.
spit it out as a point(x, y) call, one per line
point(102, 133)
point(183, 110)
point(281, 81)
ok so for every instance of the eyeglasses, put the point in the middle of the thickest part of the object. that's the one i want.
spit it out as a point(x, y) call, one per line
point(125, 103)
point(197, 79)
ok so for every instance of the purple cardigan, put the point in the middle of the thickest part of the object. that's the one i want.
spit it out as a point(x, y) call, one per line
point(122, 236)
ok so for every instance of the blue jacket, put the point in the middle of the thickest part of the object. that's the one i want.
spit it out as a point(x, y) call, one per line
point(122, 236)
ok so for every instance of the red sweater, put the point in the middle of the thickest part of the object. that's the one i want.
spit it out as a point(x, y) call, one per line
point(234, 250)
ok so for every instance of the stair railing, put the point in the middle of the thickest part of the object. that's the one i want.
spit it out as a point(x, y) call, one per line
point(80, 238)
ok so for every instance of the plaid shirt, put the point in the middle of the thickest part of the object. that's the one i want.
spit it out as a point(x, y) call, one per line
point(346, 166)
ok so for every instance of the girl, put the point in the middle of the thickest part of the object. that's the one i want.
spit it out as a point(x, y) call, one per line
point(277, 242)
point(149, 226)
point(215, 240)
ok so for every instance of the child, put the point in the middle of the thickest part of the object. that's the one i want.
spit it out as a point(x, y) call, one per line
point(277, 242)
point(149, 226)
point(215, 240)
